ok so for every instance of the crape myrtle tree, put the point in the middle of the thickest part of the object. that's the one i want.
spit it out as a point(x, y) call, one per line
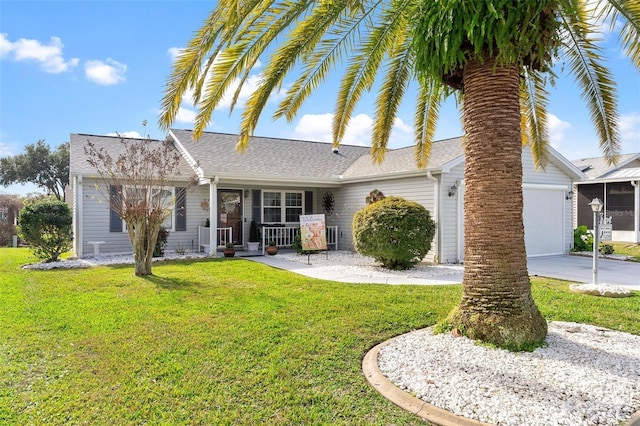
point(39, 165)
point(495, 57)
point(136, 184)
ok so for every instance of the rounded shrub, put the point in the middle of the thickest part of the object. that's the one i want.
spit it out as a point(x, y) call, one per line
point(395, 232)
point(47, 227)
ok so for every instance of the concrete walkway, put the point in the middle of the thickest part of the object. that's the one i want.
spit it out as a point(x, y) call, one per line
point(565, 267)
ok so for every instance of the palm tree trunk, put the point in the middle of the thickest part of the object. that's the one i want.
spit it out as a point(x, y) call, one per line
point(497, 306)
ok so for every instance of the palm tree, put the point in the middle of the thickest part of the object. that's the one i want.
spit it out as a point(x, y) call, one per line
point(494, 56)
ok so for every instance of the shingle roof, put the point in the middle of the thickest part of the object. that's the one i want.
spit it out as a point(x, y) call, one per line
point(268, 157)
point(78, 161)
point(403, 160)
point(598, 167)
point(285, 158)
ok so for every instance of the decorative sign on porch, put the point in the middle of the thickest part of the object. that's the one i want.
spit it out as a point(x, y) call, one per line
point(313, 232)
point(606, 229)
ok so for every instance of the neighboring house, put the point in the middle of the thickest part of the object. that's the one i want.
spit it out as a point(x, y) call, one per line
point(618, 187)
point(276, 180)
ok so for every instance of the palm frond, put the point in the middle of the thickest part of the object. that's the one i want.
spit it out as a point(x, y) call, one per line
point(318, 64)
point(534, 100)
point(232, 64)
point(390, 95)
point(186, 69)
point(301, 39)
point(430, 98)
point(629, 10)
point(599, 89)
point(365, 63)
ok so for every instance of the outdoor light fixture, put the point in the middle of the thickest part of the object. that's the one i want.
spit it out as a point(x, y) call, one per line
point(569, 195)
point(452, 190)
point(596, 206)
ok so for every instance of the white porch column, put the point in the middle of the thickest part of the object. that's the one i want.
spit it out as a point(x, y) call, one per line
point(213, 216)
point(636, 208)
point(78, 195)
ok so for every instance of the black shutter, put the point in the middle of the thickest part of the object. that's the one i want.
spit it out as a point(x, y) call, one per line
point(115, 222)
point(181, 209)
point(308, 202)
point(256, 208)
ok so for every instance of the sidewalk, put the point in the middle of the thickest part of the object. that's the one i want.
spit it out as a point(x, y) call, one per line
point(566, 267)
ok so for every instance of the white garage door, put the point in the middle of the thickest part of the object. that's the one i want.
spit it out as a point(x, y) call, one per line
point(543, 221)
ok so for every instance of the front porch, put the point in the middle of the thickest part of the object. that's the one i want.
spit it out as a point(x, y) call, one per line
point(283, 236)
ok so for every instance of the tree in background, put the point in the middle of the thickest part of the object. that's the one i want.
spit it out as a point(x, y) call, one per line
point(136, 186)
point(39, 165)
point(47, 227)
point(10, 206)
point(494, 56)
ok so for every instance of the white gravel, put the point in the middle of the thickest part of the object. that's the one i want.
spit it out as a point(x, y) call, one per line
point(587, 375)
point(353, 264)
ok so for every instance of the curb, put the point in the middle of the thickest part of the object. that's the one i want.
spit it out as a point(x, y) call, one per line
point(406, 401)
point(420, 408)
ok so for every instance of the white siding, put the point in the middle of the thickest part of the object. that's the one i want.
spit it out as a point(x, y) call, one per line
point(95, 211)
point(451, 214)
point(351, 198)
point(552, 175)
point(550, 184)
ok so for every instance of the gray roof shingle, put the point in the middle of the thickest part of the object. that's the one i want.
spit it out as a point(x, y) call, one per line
point(277, 159)
point(598, 167)
point(268, 157)
point(78, 161)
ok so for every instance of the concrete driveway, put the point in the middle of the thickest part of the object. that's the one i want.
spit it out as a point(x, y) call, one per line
point(580, 269)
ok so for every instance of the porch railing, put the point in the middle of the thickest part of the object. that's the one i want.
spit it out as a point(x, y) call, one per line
point(223, 235)
point(283, 236)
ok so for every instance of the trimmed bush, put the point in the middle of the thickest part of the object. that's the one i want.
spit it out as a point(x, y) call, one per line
point(606, 249)
point(582, 239)
point(47, 227)
point(395, 232)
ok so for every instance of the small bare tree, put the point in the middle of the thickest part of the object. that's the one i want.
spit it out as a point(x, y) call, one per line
point(136, 185)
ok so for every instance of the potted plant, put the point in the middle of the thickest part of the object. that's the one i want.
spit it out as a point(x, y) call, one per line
point(254, 237)
point(272, 248)
point(229, 250)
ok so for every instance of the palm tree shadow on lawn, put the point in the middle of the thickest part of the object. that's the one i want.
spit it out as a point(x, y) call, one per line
point(169, 283)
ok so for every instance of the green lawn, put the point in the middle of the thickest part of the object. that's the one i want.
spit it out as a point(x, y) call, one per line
point(629, 249)
point(223, 341)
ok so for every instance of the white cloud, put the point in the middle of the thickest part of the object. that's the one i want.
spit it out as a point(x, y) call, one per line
point(556, 130)
point(105, 73)
point(130, 134)
point(49, 56)
point(629, 126)
point(186, 115)
point(174, 52)
point(250, 85)
point(5, 150)
point(318, 127)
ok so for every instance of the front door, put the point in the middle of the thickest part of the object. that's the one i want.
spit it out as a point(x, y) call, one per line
point(230, 212)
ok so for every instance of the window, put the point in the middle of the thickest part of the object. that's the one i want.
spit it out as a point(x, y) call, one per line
point(279, 206)
point(159, 197)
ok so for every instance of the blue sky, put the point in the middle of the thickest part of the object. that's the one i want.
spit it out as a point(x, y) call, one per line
point(100, 67)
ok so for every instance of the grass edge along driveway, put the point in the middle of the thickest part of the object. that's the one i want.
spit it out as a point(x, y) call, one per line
point(217, 342)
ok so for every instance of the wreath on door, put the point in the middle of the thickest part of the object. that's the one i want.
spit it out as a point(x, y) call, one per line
point(328, 202)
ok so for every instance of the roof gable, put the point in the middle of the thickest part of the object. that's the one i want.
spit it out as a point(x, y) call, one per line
point(267, 158)
point(599, 168)
point(78, 164)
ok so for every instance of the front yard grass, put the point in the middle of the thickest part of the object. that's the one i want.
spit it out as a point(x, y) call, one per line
point(629, 249)
point(218, 342)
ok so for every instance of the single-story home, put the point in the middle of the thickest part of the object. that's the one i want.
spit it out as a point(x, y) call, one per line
point(618, 187)
point(276, 180)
